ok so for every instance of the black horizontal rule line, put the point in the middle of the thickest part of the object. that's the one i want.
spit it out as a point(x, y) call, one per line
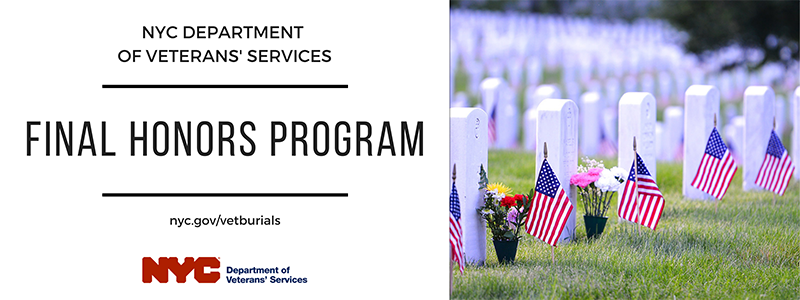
point(262, 195)
point(225, 86)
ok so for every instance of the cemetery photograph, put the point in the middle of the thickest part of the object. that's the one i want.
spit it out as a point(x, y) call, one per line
point(624, 149)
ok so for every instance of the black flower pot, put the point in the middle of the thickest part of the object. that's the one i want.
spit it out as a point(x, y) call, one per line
point(506, 250)
point(594, 226)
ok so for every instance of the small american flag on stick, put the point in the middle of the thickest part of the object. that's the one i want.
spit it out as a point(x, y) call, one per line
point(456, 231)
point(641, 201)
point(550, 207)
point(716, 169)
point(777, 168)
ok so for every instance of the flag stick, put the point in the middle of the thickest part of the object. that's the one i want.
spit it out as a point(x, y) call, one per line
point(774, 123)
point(545, 150)
point(451, 269)
point(636, 180)
point(552, 248)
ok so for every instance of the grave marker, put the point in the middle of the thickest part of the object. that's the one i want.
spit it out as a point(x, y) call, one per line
point(780, 115)
point(469, 146)
point(671, 149)
point(532, 100)
point(558, 127)
point(498, 102)
point(591, 123)
point(701, 105)
point(637, 117)
point(759, 111)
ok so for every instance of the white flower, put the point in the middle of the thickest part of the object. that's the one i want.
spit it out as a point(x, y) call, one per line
point(608, 181)
point(619, 173)
point(487, 211)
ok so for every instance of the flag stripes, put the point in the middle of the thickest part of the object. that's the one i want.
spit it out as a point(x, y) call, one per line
point(716, 168)
point(777, 168)
point(550, 207)
point(625, 209)
point(641, 201)
point(651, 202)
point(456, 231)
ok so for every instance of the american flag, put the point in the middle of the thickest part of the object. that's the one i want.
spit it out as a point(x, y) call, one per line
point(492, 128)
point(777, 168)
point(646, 209)
point(550, 207)
point(456, 233)
point(716, 169)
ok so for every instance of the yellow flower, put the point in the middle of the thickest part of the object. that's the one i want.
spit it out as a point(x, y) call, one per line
point(500, 187)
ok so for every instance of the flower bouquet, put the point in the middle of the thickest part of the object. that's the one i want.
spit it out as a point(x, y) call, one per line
point(596, 187)
point(504, 214)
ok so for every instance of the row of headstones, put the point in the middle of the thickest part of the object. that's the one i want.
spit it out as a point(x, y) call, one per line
point(557, 123)
point(598, 126)
point(670, 85)
point(581, 45)
point(646, 43)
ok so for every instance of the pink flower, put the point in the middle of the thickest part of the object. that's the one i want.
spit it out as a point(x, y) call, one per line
point(595, 171)
point(577, 177)
point(513, 213)
point(580, 179)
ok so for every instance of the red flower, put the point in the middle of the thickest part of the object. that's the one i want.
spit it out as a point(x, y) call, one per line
point(508, 201)
point(519, 198)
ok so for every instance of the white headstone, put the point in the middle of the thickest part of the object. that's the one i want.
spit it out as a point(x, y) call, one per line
point(736, 138)
point(730, 111)
point(664, 87)
point(648, 84)
point(529, 129)
point(460, 100)
point(558, 127)
point(534, 72)
point(573, 90)
point(591, 123)
point(796, 127)
point(639, 110)
point(469, 145)
point(475, 70)
point(532, 100)
point(698, 76)
point(701, 105)
point(630, 84)
point(495, 69)
point(659, 143)
point(610, 123)
point(759, 110)
point(681, 79)
point(671, 149)
point(498, 101)
point(514, 68)
point(780, 115)
point(545, 91)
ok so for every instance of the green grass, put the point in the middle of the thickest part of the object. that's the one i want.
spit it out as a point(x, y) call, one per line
point(747, 249)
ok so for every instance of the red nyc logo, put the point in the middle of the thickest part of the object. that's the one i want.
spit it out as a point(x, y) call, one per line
point(160, 270)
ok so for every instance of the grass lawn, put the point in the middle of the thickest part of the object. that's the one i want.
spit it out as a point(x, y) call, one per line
point(747, 249)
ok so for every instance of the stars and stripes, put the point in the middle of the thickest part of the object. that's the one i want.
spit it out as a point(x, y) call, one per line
point(550, 207)
point(716, 169)
point(456, 231)
point(641, 201)
point(777, 168)
point(492, 127)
